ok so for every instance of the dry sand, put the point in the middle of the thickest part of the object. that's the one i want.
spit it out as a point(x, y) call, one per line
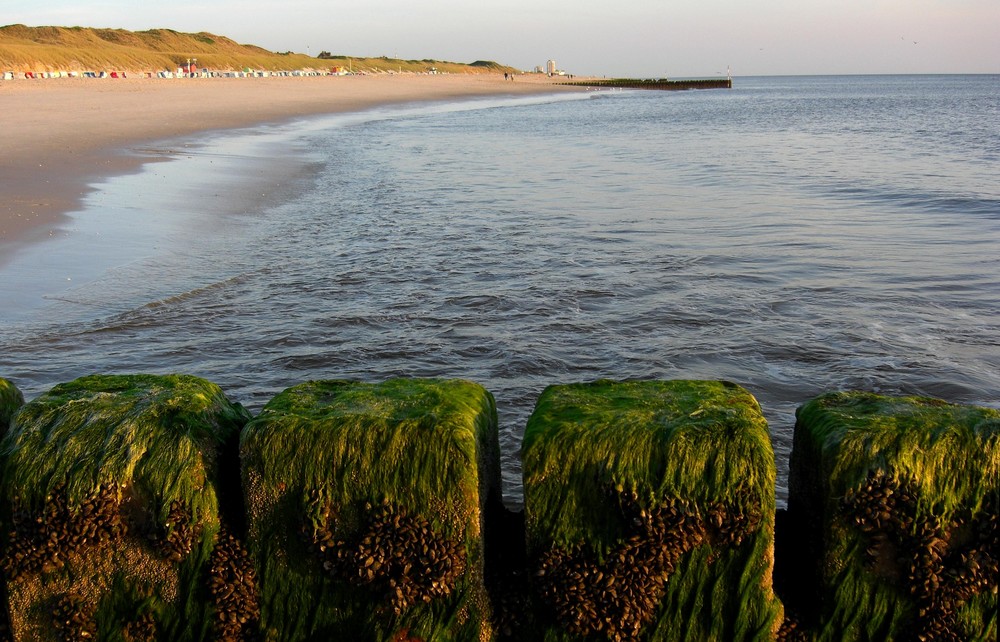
point(60, 134)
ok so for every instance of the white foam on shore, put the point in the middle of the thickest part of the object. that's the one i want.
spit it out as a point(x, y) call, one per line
point(187, 192)
point(163, 209)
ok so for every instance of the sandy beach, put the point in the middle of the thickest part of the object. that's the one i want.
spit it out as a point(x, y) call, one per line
point(60, 134)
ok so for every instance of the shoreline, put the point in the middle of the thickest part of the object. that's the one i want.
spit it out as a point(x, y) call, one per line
point(63, 134)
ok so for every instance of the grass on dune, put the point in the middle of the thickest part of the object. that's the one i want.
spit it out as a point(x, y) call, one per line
point(86, 49)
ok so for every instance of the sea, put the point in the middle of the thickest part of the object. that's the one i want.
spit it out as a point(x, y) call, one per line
point(794, 235)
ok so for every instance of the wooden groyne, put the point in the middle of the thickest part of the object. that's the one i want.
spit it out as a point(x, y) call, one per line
point(656, 83)
point(151, 507)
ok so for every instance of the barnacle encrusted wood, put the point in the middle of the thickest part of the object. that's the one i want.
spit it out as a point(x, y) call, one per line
point(902, 494)
point(110, 508)
point(650, 512)
point(365, 508)
point(10, 400)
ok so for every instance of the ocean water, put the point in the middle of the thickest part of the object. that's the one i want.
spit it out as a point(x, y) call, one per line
point(794, 235)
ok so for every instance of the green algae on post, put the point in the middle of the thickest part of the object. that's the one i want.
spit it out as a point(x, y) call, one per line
point(365, 507)
point(110, 505)
point(10, 400)
point(902, 493)
point(649, 509)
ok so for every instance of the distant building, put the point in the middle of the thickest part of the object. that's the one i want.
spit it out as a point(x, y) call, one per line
point(550, 67)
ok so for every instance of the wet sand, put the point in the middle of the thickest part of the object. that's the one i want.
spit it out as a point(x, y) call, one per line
point(58, 135)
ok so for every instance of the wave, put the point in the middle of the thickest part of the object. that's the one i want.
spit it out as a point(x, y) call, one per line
point(929, 201)
point(147, 314)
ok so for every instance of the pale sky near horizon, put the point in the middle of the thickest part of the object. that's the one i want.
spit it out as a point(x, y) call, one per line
point(636, 38)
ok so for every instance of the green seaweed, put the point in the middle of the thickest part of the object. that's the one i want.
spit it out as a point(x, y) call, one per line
point(944, 460)
point(328, 455)
point(148, 447)
point(697, 440)
point(10, 400)
point(151, 431)
point(853, 433)
point(587, 446)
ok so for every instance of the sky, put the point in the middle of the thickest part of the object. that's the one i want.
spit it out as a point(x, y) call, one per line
point(633, 38)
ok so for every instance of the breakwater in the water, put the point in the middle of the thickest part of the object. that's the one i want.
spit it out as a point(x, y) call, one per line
point(656, 83)
point(146, 507)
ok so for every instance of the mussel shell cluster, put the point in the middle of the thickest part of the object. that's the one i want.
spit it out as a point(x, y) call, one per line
point(176, 537)
point(940, 565)
point(44, 541)
point(397, 556)
point(728, 525)
point(73, 618)
point(232, 585)
point(141, 629)
point(616, 598)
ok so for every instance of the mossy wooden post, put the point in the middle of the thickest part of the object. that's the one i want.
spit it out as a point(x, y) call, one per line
point(365, 505)
point(109, 508)
point(10, 400)
point(900, 495)
point(650, 512)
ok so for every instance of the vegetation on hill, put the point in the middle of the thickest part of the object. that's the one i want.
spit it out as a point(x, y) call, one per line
point(88, 49)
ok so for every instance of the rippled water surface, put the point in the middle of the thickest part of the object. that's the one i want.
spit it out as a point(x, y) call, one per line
point(794, 235)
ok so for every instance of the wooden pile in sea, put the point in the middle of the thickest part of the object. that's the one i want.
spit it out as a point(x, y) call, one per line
point(899, 501)
point(110, 509)
point(151, 508)
point(649, 511)
point(661, 84)
point(365, 508)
